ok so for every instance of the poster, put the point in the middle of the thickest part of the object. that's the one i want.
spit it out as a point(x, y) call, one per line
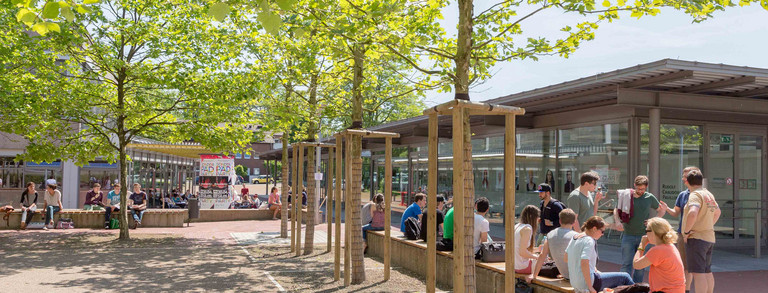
point(608, 176)
point(217, 174)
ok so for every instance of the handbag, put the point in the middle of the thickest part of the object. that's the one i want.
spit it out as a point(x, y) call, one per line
point(549, 270)
point(492, 252)
point(65, 223)
point(114, 224)
point(523, 287)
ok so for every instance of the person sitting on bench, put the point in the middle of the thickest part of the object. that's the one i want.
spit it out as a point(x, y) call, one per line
point(482, 226)
point(555, 243)
point(28, 207)
point(138, 204)
point(524, 240)
point(94, 198)
point(439, 219)
point(112, 205)
point(52, 200)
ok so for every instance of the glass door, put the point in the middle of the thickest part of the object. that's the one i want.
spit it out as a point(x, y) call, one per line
point(735, 170)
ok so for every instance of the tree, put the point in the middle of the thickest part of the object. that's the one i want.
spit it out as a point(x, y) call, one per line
point(491, 36)
point(128, 69)
point(241, 171)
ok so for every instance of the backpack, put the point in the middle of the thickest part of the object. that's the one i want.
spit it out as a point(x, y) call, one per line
point(114, 224)
point(412, 228)
point(65, 223)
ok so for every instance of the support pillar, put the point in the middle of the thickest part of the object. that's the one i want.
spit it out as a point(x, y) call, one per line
point(654, 151)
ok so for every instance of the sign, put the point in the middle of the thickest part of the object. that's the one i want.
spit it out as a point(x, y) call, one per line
point(725, 139)
point(729, 181)
point(217, 176)
point(747, 183)
point(318, 176)
point(608, 176)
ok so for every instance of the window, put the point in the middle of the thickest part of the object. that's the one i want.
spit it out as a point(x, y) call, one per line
point(238, 156)
point(680, 146)
point(246, 156)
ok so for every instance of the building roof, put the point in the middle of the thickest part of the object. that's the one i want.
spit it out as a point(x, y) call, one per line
point(183, 149)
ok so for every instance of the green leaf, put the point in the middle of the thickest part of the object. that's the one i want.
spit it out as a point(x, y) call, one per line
point(606, 3)
point(83, 9)
point(90, 1)
point(219, 11)
point(40, 28)
point(285, 4)
point(270, 21)
point(25, 16)
point(51, 10)
point(67, 13)
point(52, 26)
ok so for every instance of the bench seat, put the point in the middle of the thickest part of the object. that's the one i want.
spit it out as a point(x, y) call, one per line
point(410, 254)
point(95, 219)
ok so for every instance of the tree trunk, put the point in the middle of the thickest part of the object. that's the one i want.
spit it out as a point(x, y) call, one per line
point(124, 234)
point(309, 240)
point(284, 189)
point(461, 84)
point(356, 148)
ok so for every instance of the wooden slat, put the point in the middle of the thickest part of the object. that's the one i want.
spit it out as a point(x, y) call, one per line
point(329, 201)
point(476, 107)
point(317, 144)
point(387, 207)
point(337, 196)
point(432, 203)
point(347, 234)
point(370, 134)
point(297, 199)
point(293, 204)
point(509, 198)
point(458, 201)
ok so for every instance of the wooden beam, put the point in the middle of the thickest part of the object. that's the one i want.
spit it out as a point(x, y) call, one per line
point(387, 207)
point(297, 199)
point(293, 204)
point(718, 84)
point(664, 78)
point(458, 201)
point(486, 108)
point(422, 131)
point(751, 93)
point(509, 200)
point(369, 133)
point(347, 234)
point(329, 200)
point(432, 203)
point(337, 196)
point(316, 144)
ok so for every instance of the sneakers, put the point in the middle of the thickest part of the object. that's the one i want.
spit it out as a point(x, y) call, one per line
point(45, 228)
point(106, 225)
point(138, 224)
point(23, 226)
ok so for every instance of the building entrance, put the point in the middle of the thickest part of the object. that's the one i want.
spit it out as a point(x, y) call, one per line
point(736, 171)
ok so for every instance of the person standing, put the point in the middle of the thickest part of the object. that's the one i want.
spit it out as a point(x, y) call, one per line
point(550, 211)
point(667, 273)
point(138, 203)
point(682, 200)
point(699, 218)
point(642, 203)
point(414, 210)
point(52, 201)
point(112, 205)
point(584, 200)
point(28, 207)
point(244, 191)
point(94, 198)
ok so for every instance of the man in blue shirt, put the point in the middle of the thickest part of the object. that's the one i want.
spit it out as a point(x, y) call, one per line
point(414, 210)
point(682, 200)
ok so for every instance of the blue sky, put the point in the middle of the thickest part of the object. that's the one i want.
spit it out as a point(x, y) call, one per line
point(737, 36)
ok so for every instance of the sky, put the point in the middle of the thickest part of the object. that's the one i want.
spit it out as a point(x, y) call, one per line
point(737, 36)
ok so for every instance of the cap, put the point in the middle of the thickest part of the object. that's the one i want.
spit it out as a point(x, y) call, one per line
point(544, 188)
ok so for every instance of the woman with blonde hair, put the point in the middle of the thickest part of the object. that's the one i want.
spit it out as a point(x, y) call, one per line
point(667, 274)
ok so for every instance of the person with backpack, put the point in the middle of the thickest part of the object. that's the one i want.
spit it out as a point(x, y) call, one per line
point(550, 211)
point(439, 219)
point(414, 211)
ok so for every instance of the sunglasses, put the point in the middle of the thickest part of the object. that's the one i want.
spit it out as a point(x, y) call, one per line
point(648, 230)
point(602, 231)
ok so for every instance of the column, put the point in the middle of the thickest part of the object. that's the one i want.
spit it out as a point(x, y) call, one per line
point(654, 151)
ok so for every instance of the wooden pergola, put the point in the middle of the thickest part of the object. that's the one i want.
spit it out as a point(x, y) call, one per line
point(461, 158)
point(353, 167)
point(297, 170)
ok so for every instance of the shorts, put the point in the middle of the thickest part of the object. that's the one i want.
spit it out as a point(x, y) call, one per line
point(681, 249)
point(699, 255)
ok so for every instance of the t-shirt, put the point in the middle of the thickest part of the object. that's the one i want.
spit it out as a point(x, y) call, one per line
point(682, 199)
point(138, 198)
point(558, 241)
point(365, 213)
point(413, 211)
point(114, 198)
point(91, 198)
point(520, 261)
point(448, 225)
point(244, 191)
point(550, 212)
point(582, 248)
point(25, 199)
point(581, 204)
point(666, 273)
point(52, 200)
point(481, 225)
point(703, 227)
point(439, 219)
point(643, 206)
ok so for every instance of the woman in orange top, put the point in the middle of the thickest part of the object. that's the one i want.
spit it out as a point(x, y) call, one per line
point(667, 273)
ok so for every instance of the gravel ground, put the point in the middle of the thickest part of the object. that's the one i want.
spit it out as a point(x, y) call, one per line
point(90, 261)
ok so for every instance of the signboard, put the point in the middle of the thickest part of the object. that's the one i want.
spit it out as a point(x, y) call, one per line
point(608, 176)
point(217, 175)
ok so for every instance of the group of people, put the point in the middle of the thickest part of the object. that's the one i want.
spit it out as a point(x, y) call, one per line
point(648, 243)
point(51, 204)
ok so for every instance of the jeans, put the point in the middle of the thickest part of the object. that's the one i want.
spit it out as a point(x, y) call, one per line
point(604, 280)
point(629, 244)
point(92, 207)
point(49, 211)
point(368, 227)
point(139, 216)
point(26, 215)
point(108, 214)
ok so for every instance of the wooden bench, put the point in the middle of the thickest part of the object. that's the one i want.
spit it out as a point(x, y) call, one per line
point(95, 219)
point(410, 254)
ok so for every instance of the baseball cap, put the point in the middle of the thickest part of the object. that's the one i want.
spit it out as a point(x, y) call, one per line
point(544, 188)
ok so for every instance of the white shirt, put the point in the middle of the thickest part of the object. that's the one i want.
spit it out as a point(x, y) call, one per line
point(481, 225)
point(583, 248)
point(520, 261)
